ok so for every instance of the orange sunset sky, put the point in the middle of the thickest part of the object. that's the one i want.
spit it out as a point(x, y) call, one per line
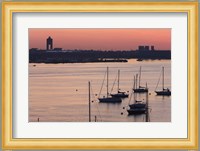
point(104, 39)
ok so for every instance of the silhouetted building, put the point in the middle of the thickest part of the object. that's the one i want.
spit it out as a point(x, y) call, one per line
point(57, 49)
point(49, 43)
point(141, 48)
point(145, 48)
point(33, 49)
point(152, 48)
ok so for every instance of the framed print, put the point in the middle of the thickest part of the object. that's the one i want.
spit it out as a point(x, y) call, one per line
point(100, 75)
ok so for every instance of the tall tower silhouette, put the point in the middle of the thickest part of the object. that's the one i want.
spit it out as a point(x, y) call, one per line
point(49, 43)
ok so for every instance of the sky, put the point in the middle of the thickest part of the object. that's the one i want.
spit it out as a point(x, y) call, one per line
point(101, 39)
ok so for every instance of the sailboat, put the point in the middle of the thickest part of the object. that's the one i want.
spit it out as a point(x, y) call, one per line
point(164, 91)
point(140, 89)
point(119, 93)
point(108, 98)
point(138, 107)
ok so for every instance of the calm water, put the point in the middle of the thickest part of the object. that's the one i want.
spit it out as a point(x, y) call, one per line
point(59, 92)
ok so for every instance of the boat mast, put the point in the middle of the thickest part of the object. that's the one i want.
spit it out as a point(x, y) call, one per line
point(139, 77)
point(118, 80)
point(136, 80)
point(163, 77)
point(107, 82)
point(89, 102)
point(134, 88)
point(147, 107)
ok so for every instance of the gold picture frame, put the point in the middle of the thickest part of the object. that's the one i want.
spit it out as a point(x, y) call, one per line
point(8, 142)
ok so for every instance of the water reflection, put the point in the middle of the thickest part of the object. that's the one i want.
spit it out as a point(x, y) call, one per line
point(59, 92)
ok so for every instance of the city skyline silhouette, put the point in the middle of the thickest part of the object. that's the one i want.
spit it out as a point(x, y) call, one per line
point(101, 39)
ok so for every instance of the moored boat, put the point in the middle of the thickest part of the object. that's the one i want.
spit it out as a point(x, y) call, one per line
point(138, 107)
point(108, 98)
point(164, 91)
point(119, 93)
point(139, 88)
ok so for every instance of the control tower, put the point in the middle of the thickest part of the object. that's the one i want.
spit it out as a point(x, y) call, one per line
point(49, 43)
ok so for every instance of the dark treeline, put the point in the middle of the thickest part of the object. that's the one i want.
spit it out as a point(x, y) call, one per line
point(44, 56)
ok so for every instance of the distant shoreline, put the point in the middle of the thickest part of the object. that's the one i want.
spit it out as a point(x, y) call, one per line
point(94, 61)
point(113, 61)
point(86, 56)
